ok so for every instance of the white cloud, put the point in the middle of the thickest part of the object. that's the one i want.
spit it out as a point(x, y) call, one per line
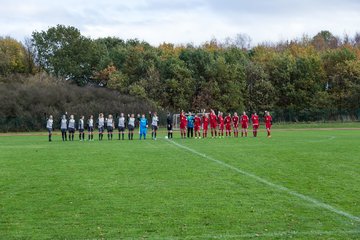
point(176, 21)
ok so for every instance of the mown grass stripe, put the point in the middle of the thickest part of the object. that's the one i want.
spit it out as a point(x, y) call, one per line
point(273, 185)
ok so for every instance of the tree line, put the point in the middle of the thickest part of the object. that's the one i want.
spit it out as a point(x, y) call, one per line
point(305, 79)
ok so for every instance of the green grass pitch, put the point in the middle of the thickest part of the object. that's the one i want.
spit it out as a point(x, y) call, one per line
point(299, 184)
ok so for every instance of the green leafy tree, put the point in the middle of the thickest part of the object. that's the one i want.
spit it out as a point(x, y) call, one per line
point(64, 52)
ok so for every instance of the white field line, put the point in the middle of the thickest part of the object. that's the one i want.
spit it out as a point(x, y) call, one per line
point(267, 235)
point(273, 185)
point(320, 140)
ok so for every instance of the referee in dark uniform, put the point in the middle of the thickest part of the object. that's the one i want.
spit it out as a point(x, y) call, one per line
point(169, 120)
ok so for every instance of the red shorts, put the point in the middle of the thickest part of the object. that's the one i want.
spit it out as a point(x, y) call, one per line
point(221, 127)
point(182, 125)
point(236, 125)
point(244, 125)
point(255, 127)
point(213, 125)
point(197, 128)
point(268, 125)
point(228, 127)
point(205, 128)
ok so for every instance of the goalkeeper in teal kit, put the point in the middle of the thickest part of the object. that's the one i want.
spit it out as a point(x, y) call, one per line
point(143, 126)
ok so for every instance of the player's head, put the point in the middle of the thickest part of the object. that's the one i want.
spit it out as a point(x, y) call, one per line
point(132, 115)
point(101, 115)
point(235, 114)
point(244, 113)
point(229, 114)
point(82, 117)
point(206, 115)
point(91, 116)
point(63, 117)
point(50, 117)
point(168, 114)
point(71, 116)
point(110, 116)
point(143, 115)
point(155, 113)
point(122, 114)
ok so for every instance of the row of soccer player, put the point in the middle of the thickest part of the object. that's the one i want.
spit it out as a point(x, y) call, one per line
point(69, 125)
point(218, 124)
point(188, 122)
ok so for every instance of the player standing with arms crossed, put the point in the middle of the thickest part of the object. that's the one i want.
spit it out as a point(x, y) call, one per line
point(213, 123)
point(244, 124)
point(183, 124)
point(235, 120)
point(255, 123)
point(268, 123)
point(197, 125)
point(49, 126)
point(90, 123)
point(227, 122)
point(121, 126)
point(221, 125)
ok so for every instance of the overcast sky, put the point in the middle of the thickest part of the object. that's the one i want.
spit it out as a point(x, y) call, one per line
point(182, 21)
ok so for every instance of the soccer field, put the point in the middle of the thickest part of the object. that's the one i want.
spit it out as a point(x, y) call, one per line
point(299, 184)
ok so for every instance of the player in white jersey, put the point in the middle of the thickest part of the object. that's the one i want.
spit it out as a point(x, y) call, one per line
point(90, 124)
point(81, 127)
point(154, 124)
point(63, 127)
point(110, 126)
point(121, 126)
point(49, 126)
point(101, 123)
point(131, 126)
point(71, 127)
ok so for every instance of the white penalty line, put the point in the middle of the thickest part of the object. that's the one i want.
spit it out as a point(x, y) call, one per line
point(273, 185)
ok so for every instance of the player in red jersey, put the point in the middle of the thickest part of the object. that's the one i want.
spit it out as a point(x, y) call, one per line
point(255, 123)
point(227, 122)
point(235, 120)
point(221, 124)
point(183, 124)
point(244, 124)
point(268, 123)
point(197, 125)
point(205, 121)
point(213, 123)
